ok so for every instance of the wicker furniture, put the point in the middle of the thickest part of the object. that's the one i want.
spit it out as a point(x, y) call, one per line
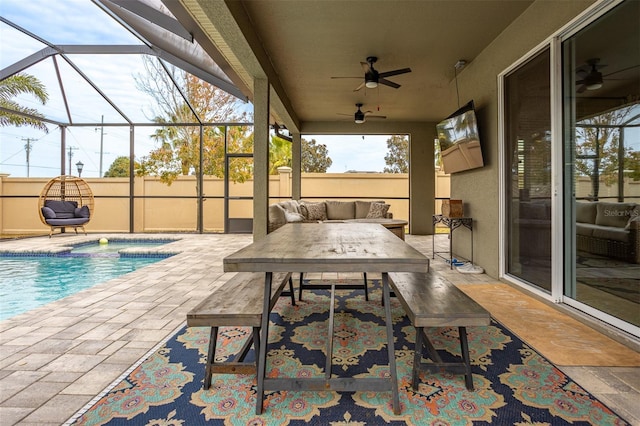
point(609, 229)
point(66, 202)
point(327, 211)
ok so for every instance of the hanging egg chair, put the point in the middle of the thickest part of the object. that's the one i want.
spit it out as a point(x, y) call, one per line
point(66, 202)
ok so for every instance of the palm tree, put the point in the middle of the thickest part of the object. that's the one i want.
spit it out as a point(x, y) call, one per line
point(13, 86)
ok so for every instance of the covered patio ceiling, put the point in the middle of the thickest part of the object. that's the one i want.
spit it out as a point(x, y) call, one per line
point(301, 45)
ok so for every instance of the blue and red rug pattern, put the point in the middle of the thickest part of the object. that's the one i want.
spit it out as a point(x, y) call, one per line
point(513, 384)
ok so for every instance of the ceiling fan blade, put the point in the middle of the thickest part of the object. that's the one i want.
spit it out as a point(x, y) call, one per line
point(394, 72)
point(359, 87)
point(388, 83)
point(365, 67)
point(622, 70)
point(376, 116)
point(581, 88)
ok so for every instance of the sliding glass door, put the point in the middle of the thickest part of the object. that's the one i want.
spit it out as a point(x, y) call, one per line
point(528, 171)
point(601, 75)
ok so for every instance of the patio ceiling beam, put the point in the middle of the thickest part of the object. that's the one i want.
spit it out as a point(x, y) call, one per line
point(171, 47)
point(31, 116)
point(96, 88)
point(154, 16)
point(25, 63)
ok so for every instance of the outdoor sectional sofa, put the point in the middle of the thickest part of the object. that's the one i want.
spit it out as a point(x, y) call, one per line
point(604, 228)
point(343, 211)
point(609, 229)
point(65, 214)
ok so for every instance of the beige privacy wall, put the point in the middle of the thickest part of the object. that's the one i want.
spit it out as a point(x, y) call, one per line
point(158, 213)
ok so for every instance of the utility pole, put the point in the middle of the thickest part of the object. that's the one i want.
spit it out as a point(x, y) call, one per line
point(70, 157)
point(27, 148)
point(101, 143)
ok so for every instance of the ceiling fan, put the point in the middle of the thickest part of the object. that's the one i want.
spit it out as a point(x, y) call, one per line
point(372, 77)
point(591, 79)
point(361, 116)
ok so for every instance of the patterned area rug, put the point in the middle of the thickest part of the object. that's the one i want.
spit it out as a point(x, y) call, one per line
point(513, 383)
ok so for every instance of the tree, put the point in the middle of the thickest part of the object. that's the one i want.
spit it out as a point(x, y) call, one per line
point(279, 154)
point(599, 150)
point(315, 158)
point(397, 159)
point(120, 167)
point(178, 150)
point(13, 86)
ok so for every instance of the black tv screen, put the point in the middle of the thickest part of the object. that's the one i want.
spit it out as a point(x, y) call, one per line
point(459, 140)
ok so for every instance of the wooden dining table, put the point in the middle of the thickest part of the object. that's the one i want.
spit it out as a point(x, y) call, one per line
point(327, 247)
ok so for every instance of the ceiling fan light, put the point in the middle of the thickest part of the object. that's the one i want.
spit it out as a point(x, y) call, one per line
point(371, 84)
point(359, 120)
point(593, 81)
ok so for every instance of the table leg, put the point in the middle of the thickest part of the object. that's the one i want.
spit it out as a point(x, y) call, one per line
point(264, 331)
point(390, 346)
point(329, 360)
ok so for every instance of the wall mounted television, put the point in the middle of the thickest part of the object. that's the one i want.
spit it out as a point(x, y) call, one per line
point(459, 140)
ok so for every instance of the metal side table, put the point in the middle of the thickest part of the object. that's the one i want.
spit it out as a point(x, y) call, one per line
point(452, 223)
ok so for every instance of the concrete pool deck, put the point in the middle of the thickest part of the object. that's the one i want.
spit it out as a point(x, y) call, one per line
point(57, 358)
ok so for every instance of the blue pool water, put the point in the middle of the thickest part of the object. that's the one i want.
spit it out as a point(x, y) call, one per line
point(27, 282)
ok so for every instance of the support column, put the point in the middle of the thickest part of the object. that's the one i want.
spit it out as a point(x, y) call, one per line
point(296, 164)
point(260, 157)
point(284, 183)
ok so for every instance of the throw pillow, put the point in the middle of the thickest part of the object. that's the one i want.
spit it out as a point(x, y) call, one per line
point(378, 211)
point(614, 214)
point(48, 213)
point(293, 217)
point(314, 211)
point(81, 211)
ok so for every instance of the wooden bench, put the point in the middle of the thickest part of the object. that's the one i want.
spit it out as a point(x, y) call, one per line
point(237, 303)
point(432, 301)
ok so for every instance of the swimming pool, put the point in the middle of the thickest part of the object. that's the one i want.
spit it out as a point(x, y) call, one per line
point(27, 282)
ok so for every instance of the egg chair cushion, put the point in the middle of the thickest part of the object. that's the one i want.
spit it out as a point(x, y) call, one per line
point(63, 209)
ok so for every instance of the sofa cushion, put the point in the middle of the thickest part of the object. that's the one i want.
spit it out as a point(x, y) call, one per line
point(378, 211)
point(68, 222)
point(362, 208)
point(341, 210)
point(614, 214)
point(81, 211)
point(586, 211)
point(313, 211)
point(585, 229)
point(48, 213)
point(611, 233)
point(63, 209)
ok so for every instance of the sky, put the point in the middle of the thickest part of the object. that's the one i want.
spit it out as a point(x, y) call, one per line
point(64, 22)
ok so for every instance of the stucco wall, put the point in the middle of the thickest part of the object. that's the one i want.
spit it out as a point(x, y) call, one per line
point(154, 212)
point(478, 81)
